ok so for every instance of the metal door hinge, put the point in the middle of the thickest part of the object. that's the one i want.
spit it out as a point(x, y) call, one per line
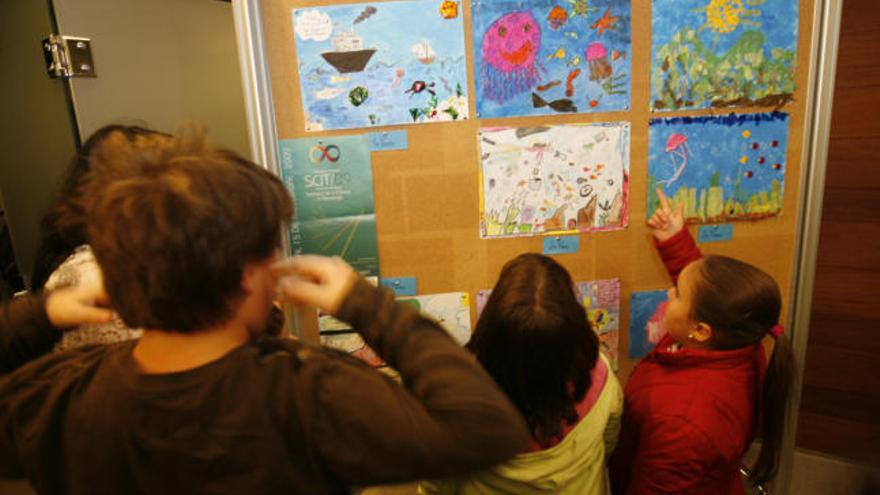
point(68, 56)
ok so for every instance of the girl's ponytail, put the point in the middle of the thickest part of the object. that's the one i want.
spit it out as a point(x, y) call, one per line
point(742, 305)
point(777, 388)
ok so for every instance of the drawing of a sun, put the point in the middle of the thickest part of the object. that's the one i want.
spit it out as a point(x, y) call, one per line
point(724, 16)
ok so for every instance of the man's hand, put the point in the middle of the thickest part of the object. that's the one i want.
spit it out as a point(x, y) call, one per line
point(315, 281)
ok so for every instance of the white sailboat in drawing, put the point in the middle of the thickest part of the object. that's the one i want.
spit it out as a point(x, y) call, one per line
point(423, 52)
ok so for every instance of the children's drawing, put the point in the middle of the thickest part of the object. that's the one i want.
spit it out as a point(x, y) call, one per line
point(389, 63)
point(452, 310)
point(646, 311)
point(723, 53)
point(554, 180)
point(601, 299)
point(547, 56)
point(721, 168)
point(352, 343)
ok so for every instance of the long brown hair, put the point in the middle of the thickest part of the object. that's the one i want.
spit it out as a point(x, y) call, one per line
point(742, 304)
point(534, 339)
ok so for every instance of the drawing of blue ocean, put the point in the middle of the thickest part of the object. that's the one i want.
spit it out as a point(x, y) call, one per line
point(390, 63)
point(723, 53)
point(722, 168)
point(545, 57)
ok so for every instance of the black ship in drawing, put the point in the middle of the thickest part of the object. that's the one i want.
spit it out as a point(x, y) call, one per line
point(348, 53)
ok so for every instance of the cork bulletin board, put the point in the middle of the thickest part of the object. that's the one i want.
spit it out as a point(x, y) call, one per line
point(427, 197)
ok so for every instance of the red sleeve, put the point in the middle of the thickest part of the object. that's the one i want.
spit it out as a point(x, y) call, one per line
point(677, 252)
point(671, 458)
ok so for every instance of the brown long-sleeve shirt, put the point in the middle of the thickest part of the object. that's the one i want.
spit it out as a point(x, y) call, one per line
point(274, 416)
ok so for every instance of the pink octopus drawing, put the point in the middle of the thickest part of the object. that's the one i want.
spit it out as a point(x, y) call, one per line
point(509, 52)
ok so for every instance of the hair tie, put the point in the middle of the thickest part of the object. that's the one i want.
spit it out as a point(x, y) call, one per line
point(776, 330)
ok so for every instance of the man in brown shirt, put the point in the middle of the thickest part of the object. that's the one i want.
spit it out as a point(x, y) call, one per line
point(186, 236)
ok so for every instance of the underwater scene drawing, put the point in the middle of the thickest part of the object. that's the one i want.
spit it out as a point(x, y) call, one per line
point(721, 168)
point(647, 311)
point(723, 53)
point(601, 299)
point(551, 56)
point(388, 63)
point(554, 179)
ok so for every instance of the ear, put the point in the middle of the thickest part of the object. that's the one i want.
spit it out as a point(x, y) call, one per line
point(701, 334)
point(250, 277)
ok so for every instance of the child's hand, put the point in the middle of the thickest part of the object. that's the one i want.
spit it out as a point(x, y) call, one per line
point(315, 281)
point(82, 304)
point(665, 222)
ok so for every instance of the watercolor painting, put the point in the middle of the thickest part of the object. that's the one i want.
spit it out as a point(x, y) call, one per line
point(646, 312)
point(388, 63)
point(547, 57)
point(721, 168)
point(554, 180)
point(723, 53)
point(601, 299)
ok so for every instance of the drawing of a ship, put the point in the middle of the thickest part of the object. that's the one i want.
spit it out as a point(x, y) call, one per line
point(348, 53)
point(423, 52)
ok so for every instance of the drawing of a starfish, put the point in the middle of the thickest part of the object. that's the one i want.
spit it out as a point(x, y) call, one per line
point(604, 23)
point(581, 7)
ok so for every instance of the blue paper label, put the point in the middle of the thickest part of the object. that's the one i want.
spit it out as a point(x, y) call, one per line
point(715, 233)
point(561, 244)
point(389, 140)
point(402, 286)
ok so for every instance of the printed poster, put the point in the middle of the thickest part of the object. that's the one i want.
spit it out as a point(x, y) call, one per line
point(561, 179)
point(380, 64)
point(551, 57)
point(331, 182)
point(723, 53)
point(721, 168)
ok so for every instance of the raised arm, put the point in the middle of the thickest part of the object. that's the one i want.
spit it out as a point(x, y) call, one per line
point(29, 325)
point(448, 418)
point(674, 243)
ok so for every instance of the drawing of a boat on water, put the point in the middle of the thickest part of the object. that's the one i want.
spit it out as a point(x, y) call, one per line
point(348, 53)
point(423, 52)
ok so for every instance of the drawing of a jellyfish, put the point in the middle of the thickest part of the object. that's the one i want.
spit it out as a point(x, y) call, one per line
point(676, 147)
point(597, 59)
point(509, 50)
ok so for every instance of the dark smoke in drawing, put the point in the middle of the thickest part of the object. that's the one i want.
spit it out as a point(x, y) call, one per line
point(369, 11)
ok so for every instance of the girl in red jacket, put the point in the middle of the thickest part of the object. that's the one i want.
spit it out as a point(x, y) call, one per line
point(694, 404)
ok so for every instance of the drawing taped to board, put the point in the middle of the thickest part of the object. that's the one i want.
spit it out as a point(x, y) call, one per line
point(647, 311)
point(547, 57)
point(452, 310)
point(721, 168)
point(388, 63)
point(723, 53)
point(353, 343)
point(554, 180)
point(601, 299)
